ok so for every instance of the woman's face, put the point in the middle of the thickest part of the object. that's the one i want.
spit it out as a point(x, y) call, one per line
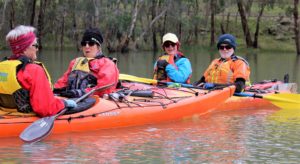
point(90, 49)
point(31, 51)
point(170, 48)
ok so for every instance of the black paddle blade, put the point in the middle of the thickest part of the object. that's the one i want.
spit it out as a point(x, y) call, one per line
point(38, 130)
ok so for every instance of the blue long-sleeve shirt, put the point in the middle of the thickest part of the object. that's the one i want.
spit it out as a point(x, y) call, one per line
point(181, 74)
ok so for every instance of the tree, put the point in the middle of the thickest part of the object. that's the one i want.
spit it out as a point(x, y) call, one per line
point(262, 7)
point(212, 22)
point(3, 14)
point(296, 26)
point(40, 26)
point(244, 22)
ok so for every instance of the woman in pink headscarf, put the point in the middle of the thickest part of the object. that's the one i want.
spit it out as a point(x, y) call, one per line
point(24, 82)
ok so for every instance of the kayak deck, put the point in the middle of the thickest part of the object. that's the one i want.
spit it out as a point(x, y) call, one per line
point(167, 104)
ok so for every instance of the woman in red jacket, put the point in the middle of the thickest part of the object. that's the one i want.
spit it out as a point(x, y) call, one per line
point(25, 83)
point(91, 70)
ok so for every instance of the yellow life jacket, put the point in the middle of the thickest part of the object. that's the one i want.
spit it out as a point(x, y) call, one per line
point(81, 76)
point(82, 64)
point(8, 80)
point(9, 85)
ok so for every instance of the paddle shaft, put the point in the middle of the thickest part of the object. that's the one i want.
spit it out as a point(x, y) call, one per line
point(153, 81)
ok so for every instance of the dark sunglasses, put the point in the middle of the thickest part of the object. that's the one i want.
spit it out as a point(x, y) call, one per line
point(168, 44)
point(89, 43)
point(36, 45)
point(227, 47)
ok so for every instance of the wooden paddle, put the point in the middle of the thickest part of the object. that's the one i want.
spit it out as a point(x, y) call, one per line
point(41, 128)
point(282, 100)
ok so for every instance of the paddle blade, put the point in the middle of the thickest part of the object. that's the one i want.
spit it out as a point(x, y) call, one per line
point(38, 130)
point(285, 100)
point(137, 79)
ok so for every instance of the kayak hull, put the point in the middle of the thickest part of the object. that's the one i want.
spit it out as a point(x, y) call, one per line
point(107, 114)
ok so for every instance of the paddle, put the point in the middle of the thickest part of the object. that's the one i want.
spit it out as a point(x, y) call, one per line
point(41, 128)
point(151, 81)
point(282, 100)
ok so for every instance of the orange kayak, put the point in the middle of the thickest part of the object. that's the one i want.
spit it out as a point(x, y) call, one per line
point(166, 104)
point(263, 88)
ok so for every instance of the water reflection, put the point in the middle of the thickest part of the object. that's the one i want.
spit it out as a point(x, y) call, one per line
point(224, 137)
point(245, 136)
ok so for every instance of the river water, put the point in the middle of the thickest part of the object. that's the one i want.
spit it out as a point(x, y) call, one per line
point(237, 136)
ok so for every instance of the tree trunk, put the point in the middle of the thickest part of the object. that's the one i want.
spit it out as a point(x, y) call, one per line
point(296, 28)
point(124, 45)
point(40, 26)
point(3, 13)
point(255, 42)
point(212, 22)
point(62, 34)
point(227, 22)
point(248, 7)
point(150, 25)
point(180, 22)
point(154, 41)
point(75, 35)
point(96, 6)
point(30, 11)
point(244, 21)
point(196, 24)
point(12, 14)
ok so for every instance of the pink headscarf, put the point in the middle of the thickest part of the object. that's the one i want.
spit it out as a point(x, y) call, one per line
point(19, 45)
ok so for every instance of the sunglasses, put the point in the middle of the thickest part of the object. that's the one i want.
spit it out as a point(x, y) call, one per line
point(89, 43)
point(168, 44)
point(227, 47)
point(36, 45)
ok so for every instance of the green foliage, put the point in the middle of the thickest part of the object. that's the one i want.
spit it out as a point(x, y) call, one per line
point(182, 17)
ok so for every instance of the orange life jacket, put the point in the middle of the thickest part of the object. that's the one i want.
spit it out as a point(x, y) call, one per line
point(226, 71)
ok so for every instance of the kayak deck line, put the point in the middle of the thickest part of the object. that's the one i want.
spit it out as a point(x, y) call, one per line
point(166, 105)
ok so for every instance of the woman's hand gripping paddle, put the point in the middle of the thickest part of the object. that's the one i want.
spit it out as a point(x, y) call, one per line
point(41, 128)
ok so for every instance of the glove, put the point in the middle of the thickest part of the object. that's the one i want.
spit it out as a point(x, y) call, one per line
point(200, 82)
point(70, 103)
point(73, 93)
point(162, 64)
point(239, 85)
point(208, 85)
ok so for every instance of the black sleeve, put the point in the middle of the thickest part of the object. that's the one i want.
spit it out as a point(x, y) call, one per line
point(240, 84)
